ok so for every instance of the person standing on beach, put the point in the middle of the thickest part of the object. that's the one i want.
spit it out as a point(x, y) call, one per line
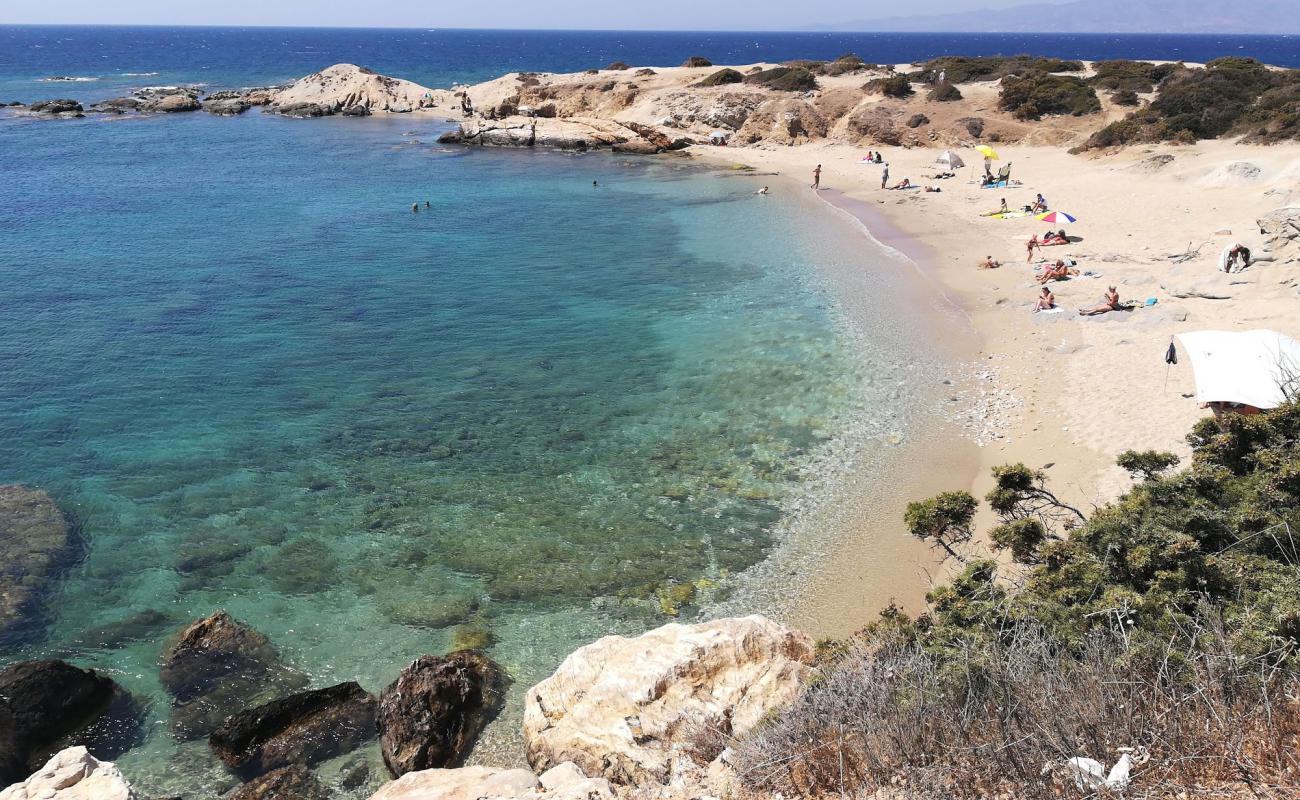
point(884, 178)
point(1032, 245)
point(817, 177)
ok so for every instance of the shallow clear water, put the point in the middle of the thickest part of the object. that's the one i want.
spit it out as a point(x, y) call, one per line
point(263, 384)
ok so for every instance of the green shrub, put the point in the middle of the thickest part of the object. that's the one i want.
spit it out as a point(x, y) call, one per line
point(722, 77)
point(945, 93)
point(845, 64)
point(1036, 95)
point(1124, 97)
point(785, 79)
point(964, 69)
point(1132, 76)
point(893, 86)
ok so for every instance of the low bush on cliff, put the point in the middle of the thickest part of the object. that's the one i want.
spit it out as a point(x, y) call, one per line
point(945, 93)
point(1230, 96)
point(1167, 621)
point(722, 77)
point(964, 69)
point(893, 86)
point(1037, 95)
point(784, 79)
point(1133, 76)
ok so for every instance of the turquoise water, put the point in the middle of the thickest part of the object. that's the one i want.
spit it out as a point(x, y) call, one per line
point(528, 413)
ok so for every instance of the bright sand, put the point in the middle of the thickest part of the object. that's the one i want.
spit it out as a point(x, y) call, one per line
point(1090, 387)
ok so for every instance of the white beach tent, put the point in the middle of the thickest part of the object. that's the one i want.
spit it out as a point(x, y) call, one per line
point(949, 160)
point(1259, 368)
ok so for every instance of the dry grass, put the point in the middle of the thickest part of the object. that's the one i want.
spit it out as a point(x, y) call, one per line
point(990, 720)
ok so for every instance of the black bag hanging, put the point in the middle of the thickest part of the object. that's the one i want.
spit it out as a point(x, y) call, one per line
point(1171, 355)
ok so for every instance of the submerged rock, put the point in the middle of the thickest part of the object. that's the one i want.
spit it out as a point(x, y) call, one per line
point(465, 783)
point(45, 705)
point(36, 542)
point(217, 666)
point(303, 728)
point(618, 707)
point(287, 783)
point(73, 774)
point(431, 715)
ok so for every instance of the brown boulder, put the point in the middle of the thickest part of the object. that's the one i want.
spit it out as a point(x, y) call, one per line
point(36, 542)
point(43, 703)
point(783, 121)
point(430, 716)
point(303, 728)
point(287, 783)
point(217, 666)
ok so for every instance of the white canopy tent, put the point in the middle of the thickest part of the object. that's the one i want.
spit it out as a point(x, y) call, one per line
point(1259, 368)
point(949, 160)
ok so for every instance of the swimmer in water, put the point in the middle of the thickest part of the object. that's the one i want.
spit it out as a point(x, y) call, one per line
point(415, 208)
point(762, 191)
point(426, 204)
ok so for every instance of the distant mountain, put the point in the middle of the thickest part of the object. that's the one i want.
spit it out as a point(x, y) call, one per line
point(1106, 16)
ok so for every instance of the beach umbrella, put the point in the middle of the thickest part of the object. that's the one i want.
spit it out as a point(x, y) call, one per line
point(718, 135)
point(1259, 368)
point(987, 152)
point(1055, 218)
point(949, 160)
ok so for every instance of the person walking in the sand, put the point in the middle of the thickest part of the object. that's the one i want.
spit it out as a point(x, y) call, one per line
point(817, 177)
point(884, 178)
point(1031, 246)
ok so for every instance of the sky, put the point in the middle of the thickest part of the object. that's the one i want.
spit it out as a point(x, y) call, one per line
point(564, 14)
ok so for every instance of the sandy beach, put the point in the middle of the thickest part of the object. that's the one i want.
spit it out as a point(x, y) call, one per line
point(1088, 387)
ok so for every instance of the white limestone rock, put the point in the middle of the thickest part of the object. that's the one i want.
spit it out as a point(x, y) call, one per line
point(73, 774)
point(464, 783)
point(349, 87)
point(626, 709)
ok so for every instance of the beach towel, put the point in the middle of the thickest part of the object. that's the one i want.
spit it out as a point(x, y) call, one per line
point(1010, 215)
point(1056, 310)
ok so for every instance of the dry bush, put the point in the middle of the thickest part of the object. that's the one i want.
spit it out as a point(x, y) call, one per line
point(984, 718)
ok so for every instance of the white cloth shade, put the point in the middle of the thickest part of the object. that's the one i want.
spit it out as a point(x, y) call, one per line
point(1259, 368)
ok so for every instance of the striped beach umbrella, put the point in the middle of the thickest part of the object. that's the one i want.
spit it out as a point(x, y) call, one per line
point(1056, 218)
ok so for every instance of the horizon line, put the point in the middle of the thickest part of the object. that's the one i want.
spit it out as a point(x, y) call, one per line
point(806, 31)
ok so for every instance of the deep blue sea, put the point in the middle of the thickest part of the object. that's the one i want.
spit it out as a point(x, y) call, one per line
point(522, 415)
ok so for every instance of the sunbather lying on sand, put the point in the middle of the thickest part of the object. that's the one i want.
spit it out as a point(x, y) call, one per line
point(1054, 238)
point(1109, 302)
point(903, 184)
point(1046, 301)
point(989, 263)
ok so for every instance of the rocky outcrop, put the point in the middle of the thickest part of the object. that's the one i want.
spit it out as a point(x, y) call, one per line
point(431, 715)
point(167, 99)
point(60, 107)
point(287, 783)
point(783, 121)
point(303, 728)
point(466, 783)
point(36, 541)
point(42, 703)
point(217, 666)
point(627, 709)
point(117, 105)
point(347, 86)
point(727, 110)
point(697, 61)
point(556, 134)
point(73, 774)
point(1281, 231)
point(226, 107)
point(874, 125)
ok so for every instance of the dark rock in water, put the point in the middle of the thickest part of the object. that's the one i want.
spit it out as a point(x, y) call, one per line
point(287, 783)
point(168, 99)
point(302, 728)
point(63, 106)
point(135, 628)
point(36, 542)
point(430, 716)
point(301, 566)
point(43, 702)
point(451, 137)
point(697, 61)
point(356, 111)
point(303, 110)
point(226, 107)
point(117, 105)
point(217, 666)
point(255, 96)
point(355, 774)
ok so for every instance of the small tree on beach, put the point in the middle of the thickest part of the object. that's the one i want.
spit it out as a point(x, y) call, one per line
point(945, 520)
